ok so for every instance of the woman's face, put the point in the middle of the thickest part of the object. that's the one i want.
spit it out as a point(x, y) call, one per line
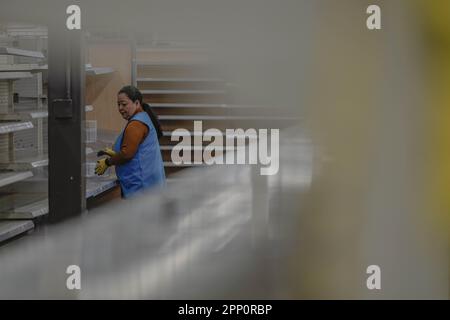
point(126, 107)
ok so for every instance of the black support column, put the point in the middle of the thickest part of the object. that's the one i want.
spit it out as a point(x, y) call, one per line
point(66, 84)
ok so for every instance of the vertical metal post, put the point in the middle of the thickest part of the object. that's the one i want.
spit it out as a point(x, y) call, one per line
point(134, 61)
point(39, 122)
point(66, 84)
point(11, 151)
point(10, 107)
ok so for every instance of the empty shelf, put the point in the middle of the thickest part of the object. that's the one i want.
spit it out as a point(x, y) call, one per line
point(10, 229)
point(183, 91)
point(170, 49)
point(96, 186)
point(31, 98)
point(179, 80)
point(25, 163)
point(188, 105)
point(171, 63)
point(22, 67)
point(192, 133)
point(23, 115)
point(202, 105)
point(7, 178)
point(7, 127)
point(222, 148)
point(171, 164)
point(23, 206)
point(21, 52)
point(14, 75)
point(191, 117)
point(95, 71)
point(207, 117)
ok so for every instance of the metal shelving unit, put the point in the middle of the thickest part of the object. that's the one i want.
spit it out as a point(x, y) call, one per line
point(181, 85)
point(22, 139)
point(97, 185)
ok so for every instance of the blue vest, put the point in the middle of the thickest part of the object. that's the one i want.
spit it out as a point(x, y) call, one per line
point(146, 168)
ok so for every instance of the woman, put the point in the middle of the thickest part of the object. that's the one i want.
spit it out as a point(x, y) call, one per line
point(136, 152)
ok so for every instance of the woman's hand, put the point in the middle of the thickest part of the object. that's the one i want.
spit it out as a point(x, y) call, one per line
point(101, 167)
point(106, 152)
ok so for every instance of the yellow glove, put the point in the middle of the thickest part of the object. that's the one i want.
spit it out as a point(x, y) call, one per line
point(106, 152)
point(101, 167)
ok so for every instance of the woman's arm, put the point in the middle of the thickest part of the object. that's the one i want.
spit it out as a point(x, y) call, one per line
point(134, 135)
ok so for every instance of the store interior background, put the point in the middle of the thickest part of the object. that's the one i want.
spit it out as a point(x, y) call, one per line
point(363, 154)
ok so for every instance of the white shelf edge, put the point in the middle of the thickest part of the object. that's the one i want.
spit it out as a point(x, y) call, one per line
point(10, 229)
point(13, 177)
point(8, 127)
point(194, 148)
point(95, 71)
point(179, 80)
point(168, 164)
point(189, 105)
point(23, 115)
point(21, 53)
point(167, 133)
point(170, 49)
point(208, 117)
point(183, 91)
point(15, 75)
point(42, 97)
point(29, 211)
point(170, 63)
point(101, 187)
point(22, 67)
point(26, 163)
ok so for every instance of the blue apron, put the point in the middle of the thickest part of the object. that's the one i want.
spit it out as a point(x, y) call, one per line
point(146, 168)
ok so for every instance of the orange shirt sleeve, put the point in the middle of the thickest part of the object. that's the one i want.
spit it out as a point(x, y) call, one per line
point(134, 135)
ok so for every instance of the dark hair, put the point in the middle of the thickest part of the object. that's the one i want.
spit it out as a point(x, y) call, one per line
point(134, 95)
